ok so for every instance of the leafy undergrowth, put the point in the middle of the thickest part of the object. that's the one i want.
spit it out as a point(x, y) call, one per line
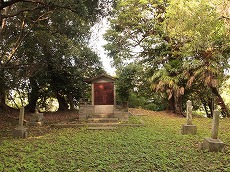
point(8, 121)
point(158, 146)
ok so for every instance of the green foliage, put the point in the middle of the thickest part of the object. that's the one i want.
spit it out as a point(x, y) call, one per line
point(125, 83)
point(200, 27)
point(204, 39)
point(158, 146)
point(152, 106)
point(155, 103)
point(45, 52)
point(180, 45)
point(225, 92)
point(136, 101)
point(132, 28)
point(133, 87)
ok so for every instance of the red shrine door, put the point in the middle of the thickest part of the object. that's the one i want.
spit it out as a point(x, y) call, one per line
point(104, 93)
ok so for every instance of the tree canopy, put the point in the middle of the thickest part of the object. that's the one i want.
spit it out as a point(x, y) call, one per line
point(179, 49)
point(182, 45)
point(44, 49)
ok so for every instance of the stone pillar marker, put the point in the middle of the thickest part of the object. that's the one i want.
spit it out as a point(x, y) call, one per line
point(189, 112)
point(20, 131)
point(189, 128)
point(21, 117)
point(213, 144)
point(215, 124)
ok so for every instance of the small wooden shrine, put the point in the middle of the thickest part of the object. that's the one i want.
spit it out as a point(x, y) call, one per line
point(103, 93)
point(103, 103)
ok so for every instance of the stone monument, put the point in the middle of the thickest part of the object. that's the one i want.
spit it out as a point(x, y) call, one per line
point(213, 144)
point(20, 131)
point(37, 119)
point(189, 128)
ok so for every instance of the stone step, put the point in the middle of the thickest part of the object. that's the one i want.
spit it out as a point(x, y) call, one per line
point(102, 128)
point(102, 120)
point(106, 115)
point(93, 124)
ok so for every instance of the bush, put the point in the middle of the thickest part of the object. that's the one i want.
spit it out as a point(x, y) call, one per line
point(156, 104)
point(136, 101)
point(154, 107)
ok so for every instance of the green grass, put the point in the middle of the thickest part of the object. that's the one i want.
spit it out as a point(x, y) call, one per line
point(158, 146)
point(132, 120)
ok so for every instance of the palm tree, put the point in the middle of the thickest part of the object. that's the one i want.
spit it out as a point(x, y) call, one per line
point(169, 79)
point(208, 69)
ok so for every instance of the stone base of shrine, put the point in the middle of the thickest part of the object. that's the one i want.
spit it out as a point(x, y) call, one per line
point(20, 132)
point(188, 129)
point(83, 117)
point(212, 145)
point(103, 109)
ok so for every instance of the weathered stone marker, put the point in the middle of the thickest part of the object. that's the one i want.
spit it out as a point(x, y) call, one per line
point(215, 124)
point(189, 112)
point(37, 119)
point(189, 128)
point(213, 144)
point(20, 131)
point(21, 116)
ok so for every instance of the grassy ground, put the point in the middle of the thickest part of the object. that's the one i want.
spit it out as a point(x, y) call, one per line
point(158, 146)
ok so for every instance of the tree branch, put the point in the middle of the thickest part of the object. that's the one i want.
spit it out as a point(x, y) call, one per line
point(40, 4)
point(3, 21)
point(22, 36)
point(4, 4)
point(17, 44)
point(21, 11)
point(225, 17)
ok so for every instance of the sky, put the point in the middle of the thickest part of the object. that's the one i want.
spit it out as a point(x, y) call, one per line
point(97, 43)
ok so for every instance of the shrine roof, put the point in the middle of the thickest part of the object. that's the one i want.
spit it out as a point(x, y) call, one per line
point(101, 76)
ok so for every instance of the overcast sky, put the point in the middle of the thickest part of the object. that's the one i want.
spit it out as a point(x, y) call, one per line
point(97, 43)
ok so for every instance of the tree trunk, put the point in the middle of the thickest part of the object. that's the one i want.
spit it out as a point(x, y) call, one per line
point(62, 102)
point(206, 109)
point(171, 106)
point(33, 95)
point(220, 102)
point(178, 104)
point(71, 102)
point(3, 106)
point(211, 107)
point(2, 100)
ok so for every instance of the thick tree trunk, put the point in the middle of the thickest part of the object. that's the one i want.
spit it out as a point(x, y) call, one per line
point(71, 102)
point(33, 95)
point(171, 106)
point(178, 104)
point(206, 109)
point(3, 106)
point(220, 102)
point(2, 100)
point(175, 104)
point(62, 102)
point(211, 107)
